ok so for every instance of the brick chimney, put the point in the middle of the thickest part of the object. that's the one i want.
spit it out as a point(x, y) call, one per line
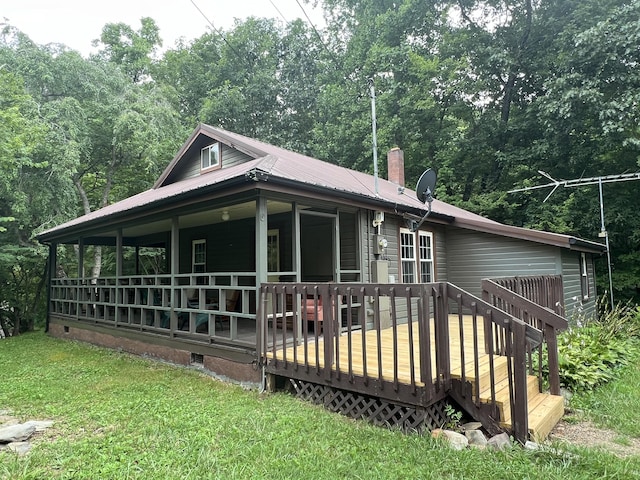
point(395, 166)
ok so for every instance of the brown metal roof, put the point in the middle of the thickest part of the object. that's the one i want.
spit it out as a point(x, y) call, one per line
point(277, 165)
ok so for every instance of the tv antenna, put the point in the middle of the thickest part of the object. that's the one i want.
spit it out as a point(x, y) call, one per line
point(580, 182)
point(424, 191)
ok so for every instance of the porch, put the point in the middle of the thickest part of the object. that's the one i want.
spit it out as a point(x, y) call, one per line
point(436, 344)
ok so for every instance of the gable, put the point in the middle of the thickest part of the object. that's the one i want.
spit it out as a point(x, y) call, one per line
point(187, 164)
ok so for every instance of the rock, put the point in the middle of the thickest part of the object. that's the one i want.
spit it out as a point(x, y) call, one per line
point(476, 439)
point(21, 448)
point(16, 433)
point(529, 445)
point(471, 426)
point(499, 442)
point(40, 425)
point(5, 412)
point(567, 395)
point(455, 440)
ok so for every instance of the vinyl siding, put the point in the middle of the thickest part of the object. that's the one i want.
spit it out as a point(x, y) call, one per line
point(472, 256)
point(190, 166)
point(575, 306)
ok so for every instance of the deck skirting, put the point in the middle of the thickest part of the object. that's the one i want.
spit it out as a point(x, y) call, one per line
point(376, 410)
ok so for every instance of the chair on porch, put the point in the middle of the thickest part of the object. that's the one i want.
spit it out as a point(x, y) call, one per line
point(232, 304)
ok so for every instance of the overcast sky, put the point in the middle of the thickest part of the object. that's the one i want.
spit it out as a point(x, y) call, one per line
point(76, 23)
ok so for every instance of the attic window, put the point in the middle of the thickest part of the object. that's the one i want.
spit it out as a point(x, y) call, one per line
point(210, 157)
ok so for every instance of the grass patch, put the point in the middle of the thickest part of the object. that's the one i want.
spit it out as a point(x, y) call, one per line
point(120, 416)
point(616, 404)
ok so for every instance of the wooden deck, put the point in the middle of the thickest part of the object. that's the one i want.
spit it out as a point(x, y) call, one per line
point(383, 356)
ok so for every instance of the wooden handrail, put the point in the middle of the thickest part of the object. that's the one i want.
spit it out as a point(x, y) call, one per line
point(549, 322)
point(423, 312)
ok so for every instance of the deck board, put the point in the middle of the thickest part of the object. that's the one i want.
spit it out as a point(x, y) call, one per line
point(544, 410)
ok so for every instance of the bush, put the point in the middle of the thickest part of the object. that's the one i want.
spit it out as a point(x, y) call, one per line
point(592, 354)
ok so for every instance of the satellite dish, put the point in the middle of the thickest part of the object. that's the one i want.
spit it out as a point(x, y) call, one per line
point(426, 186)
point(424, 191)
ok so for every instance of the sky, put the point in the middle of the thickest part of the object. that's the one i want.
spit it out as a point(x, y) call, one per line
point(76, 23)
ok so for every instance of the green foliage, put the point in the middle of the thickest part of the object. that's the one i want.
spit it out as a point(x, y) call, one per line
point(592, 354)
point(123, 419)
point(454, 417)
point(616, 404)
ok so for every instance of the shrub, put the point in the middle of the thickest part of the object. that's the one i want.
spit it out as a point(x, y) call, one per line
point(591, 354)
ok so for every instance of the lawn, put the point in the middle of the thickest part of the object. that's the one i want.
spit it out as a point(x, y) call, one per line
point(119, 416)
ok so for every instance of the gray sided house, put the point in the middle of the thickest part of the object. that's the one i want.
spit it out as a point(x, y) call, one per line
point(230, 214)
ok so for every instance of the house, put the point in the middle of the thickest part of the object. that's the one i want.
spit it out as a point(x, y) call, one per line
point(230, 213)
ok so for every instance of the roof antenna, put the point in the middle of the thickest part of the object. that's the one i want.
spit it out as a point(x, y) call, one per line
point(372, 93)
point(424, 191)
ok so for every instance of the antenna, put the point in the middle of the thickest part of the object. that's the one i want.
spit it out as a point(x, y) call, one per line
point(580, 182)
point(372, 91)
point(424, 191)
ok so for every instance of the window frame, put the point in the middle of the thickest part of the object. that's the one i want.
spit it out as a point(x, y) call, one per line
point(206, 153)
point(203, 264)
point(584, 277)
point(412, 258)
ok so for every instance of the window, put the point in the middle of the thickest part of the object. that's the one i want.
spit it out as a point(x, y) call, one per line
point(584, 276)
point(210, 156)
point(199, 256)
point(407, 256)
point(416, 264)
point(425, 257)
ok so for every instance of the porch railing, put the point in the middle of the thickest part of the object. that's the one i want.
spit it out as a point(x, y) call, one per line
point(202, 307)
point(377, 339)
point(519, 296)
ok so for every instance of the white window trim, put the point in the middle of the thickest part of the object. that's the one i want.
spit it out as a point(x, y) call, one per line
point(194, 245)
point(415, 261)
point(584, 277)
point(206, 154)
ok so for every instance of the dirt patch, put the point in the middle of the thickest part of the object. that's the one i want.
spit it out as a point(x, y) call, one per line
point(585, 434)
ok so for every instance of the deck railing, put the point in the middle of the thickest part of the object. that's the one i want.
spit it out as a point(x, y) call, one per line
point(411, 343)
point(519, 297)
point(202, 307)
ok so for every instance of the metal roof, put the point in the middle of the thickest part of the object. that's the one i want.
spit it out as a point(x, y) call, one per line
point(279, 166)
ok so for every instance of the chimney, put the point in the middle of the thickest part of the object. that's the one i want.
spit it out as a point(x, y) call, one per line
point(395, 166)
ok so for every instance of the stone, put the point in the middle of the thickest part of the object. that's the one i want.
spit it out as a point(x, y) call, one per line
point(529, 445)
point(456, 440)
point(16, 433)
point(471, 426)
point(21, 448)
point(476, 439)
point(40, 425)
point(499, 442)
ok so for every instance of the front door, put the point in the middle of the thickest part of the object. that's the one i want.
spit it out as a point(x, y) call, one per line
point(317, 247)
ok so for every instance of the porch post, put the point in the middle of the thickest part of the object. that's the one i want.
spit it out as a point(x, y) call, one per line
point(80, 258)
point(175, 269)
point(51, 274)
point(119, 300)
point(261, 266)
point(262, 216)
point(80, 280)
point(119, 253)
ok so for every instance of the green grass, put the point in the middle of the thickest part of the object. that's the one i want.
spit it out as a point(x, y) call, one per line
point(119, 416)
point(616, 404)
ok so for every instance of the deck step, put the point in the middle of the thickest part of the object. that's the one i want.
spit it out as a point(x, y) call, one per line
point(544, 410)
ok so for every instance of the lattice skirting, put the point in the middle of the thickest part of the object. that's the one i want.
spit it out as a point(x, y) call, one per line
point(372, 409)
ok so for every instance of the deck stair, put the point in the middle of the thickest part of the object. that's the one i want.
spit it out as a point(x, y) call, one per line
point(544, 410)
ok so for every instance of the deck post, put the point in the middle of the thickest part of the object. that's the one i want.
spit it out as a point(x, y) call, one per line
point(328, 327)
point(552, 357)
point(519, 415)
point(442, 336)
